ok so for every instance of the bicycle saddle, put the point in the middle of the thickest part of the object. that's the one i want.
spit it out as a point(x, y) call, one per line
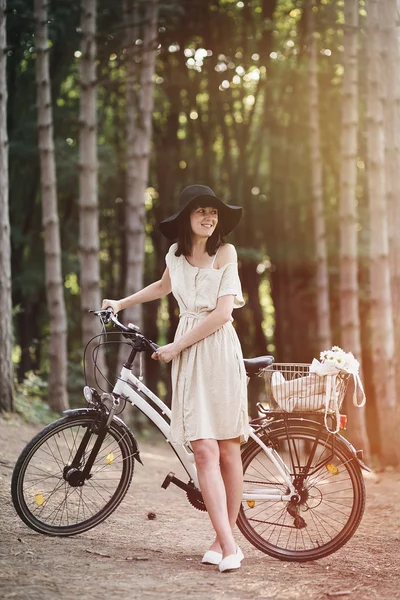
point(253, 365)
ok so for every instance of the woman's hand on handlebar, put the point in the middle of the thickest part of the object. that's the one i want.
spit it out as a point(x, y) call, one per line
point(114, 304)
point(166, 353)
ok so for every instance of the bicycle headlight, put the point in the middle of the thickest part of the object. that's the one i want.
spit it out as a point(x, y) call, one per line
point(88, 393)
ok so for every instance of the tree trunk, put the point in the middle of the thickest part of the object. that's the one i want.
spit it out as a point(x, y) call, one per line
point(322, 280)
point(139, 114)
point(6, 366)
point(251, 283)
point(349, 310)
point(58, 396)
point(381, 305)
point(88, 199)
point(391, 102)
point(139, 133)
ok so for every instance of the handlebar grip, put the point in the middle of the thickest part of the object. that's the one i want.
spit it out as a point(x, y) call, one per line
point(153, 346)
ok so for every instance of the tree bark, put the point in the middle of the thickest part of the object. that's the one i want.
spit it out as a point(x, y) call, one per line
point(6, 366)
point(349, 310)
point(251, 283)
point(390, 54)
point(88, 199)
point(322, 279)
point(139, 133)
point(139, 113)
point(58, 396)
point(381, 305)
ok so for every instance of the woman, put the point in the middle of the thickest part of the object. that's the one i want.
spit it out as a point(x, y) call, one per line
point(209, 392)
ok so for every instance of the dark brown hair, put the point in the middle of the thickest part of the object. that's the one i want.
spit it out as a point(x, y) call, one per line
point(185, 231)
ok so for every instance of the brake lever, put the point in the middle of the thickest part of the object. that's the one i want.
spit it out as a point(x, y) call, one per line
point(153, 346)
point(105, 314)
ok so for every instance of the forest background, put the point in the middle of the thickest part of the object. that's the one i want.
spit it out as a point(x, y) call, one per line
point(290, 109)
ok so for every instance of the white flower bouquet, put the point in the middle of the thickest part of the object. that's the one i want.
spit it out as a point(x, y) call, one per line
point(341, 360)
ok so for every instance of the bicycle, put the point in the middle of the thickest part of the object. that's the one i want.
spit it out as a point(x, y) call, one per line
point(304, 493)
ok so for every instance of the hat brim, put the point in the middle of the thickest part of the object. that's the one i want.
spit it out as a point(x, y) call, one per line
point(228, 216)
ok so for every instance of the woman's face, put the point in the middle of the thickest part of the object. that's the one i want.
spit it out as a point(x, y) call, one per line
point(203, 221)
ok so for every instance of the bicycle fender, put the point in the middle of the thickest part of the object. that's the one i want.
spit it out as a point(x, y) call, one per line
point(121, 424)
point(135, 445)
point(355, 452)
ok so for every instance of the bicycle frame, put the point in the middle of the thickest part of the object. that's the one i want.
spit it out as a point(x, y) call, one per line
point(130, 388)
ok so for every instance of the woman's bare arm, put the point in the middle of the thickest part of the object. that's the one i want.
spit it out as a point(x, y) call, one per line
point(214, 321)
point(154, 291)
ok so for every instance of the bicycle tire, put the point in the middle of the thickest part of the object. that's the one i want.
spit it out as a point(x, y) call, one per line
point(310, 531)
point(64, 510)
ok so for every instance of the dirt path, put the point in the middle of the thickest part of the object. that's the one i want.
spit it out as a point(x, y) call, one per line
point(132, 557)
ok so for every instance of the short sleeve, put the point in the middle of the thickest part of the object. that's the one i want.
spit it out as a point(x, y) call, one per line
point(170, 256)
point(230, 284)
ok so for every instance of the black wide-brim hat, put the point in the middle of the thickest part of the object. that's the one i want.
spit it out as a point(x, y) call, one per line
point(228, 215)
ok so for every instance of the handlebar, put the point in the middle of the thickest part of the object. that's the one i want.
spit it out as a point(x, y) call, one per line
point(107, 314)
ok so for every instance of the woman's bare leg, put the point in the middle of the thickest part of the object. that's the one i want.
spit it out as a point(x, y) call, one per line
point(207, 456)
point(232, 474)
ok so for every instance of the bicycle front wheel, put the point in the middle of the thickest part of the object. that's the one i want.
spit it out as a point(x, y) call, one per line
point(48, 500)
point(329, 482)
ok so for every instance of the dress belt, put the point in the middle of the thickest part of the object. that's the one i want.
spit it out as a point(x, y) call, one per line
point(194, 315)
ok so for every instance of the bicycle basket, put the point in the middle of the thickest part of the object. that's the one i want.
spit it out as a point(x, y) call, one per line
point(290, 387)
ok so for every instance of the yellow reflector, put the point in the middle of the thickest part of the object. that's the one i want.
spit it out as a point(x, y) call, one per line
point(332, 469)
point(39, 499)
point(251, 503)
point(110, 458)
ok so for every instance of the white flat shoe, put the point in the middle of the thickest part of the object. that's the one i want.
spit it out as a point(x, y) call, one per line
point(231, 562)
point(211, 558)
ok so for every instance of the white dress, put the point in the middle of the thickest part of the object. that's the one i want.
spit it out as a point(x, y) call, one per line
point(209, 386)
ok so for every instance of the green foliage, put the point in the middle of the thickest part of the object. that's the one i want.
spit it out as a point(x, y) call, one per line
point(227, 112)
point(30, 400)
point(231, 111)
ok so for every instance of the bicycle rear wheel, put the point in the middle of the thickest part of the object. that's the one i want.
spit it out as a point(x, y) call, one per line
point(332, 495)
point(43, 496)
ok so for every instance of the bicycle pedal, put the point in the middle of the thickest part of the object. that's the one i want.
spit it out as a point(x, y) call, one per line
point(167, 481)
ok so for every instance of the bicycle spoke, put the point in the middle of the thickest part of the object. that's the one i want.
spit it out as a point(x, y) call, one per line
point(267, 469)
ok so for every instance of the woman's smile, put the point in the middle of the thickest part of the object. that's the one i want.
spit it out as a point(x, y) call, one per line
point(204, 220)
